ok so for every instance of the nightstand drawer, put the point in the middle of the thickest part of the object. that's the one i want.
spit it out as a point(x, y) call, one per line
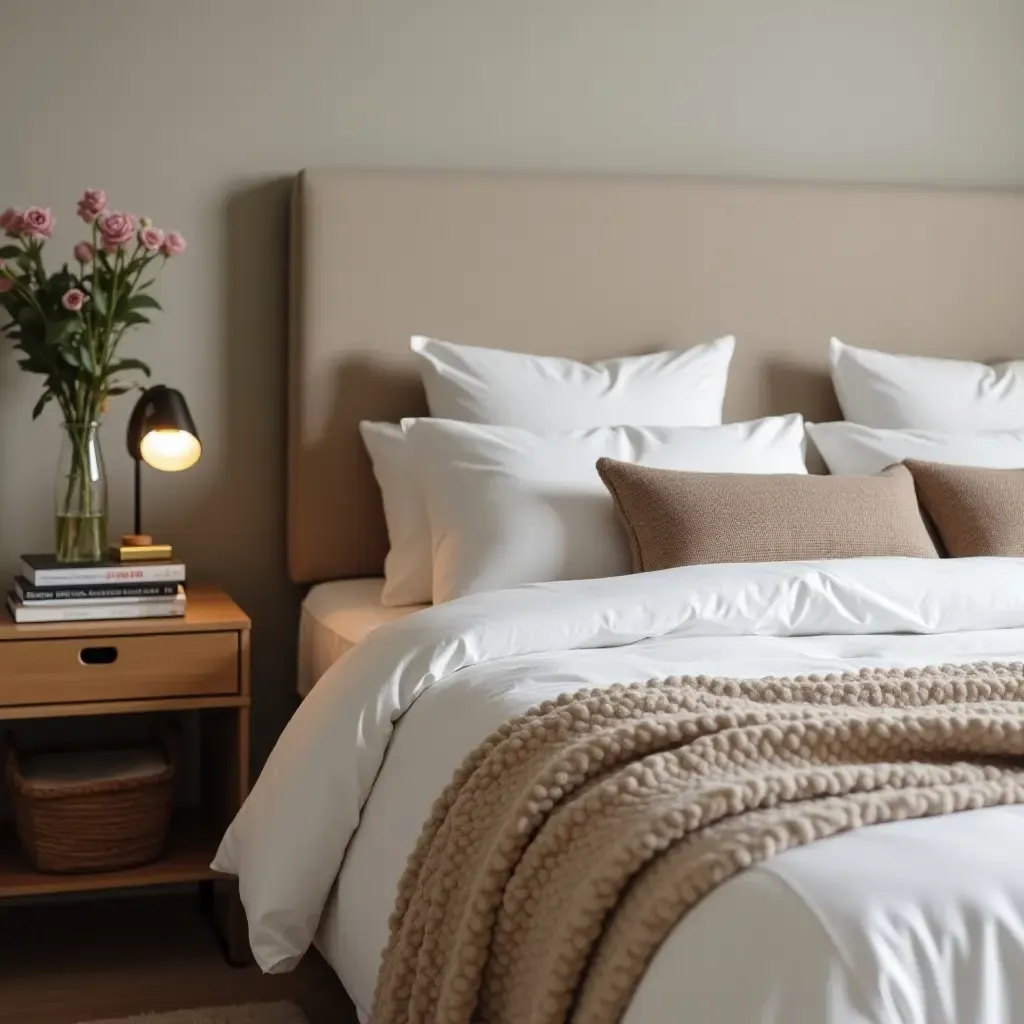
point(118, 668)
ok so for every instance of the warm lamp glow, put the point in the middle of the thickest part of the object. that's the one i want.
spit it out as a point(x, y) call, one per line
point(170, 450)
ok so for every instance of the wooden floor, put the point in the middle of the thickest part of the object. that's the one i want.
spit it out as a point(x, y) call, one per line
point(66, 963)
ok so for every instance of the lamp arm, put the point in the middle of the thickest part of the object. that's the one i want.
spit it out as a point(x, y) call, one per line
point(138, 495)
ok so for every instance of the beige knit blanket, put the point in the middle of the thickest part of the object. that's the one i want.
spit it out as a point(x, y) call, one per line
point(572, 841)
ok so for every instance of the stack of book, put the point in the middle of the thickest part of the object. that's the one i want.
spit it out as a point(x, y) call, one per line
point(52, 591)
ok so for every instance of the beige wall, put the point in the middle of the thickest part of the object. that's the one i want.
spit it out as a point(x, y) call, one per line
point(197, 112)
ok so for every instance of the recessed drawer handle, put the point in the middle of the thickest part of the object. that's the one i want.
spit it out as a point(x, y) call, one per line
point(97, 655)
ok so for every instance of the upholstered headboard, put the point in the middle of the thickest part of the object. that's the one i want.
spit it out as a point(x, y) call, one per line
point(591, 267)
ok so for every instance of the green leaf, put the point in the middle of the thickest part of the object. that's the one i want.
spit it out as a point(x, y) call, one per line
point(146, 284)
point(129, 364)
point(132, 319)
point(58, 331)
point(9, 252)
point(99, 301)
point(29, 316)
point(143, 302)
point(57, 285)
point(44, 399)
point(77, 357)
point(121, 389)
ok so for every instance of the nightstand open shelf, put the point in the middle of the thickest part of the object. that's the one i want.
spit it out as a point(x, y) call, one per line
point(199, 664)
point(191, 844)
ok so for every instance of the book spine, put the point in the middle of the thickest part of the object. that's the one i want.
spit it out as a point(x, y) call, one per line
point(29, 594)
point(83, 613)
point(105, 603)
point(108, 575)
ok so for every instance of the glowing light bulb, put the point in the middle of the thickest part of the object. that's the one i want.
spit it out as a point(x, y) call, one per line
point(170, 450)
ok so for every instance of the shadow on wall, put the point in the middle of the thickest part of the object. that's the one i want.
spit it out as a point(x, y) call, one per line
point(236, 529)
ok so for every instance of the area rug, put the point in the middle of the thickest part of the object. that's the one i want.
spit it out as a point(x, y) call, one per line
point(250, 1013)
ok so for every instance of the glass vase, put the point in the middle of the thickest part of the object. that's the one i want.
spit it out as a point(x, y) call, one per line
point(81, 510)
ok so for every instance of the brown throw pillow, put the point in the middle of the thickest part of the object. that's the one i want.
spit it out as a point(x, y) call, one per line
point(678, 518)
point(975, 511)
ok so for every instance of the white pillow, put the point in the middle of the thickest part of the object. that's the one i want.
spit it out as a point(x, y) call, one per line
point(923, 393)
point(507, 506)
point(407, 568)
point(544, 393)
point(849, 448)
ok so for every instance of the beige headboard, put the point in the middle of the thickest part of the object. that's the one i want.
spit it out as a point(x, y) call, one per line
point(599, 266)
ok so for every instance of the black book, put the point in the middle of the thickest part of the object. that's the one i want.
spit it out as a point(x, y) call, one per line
point(28, 593)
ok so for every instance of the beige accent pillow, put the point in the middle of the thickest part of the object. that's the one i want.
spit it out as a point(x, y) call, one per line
point(678, 518)
point(976, 511)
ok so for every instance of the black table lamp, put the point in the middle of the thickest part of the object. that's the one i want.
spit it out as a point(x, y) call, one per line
point(161, 433)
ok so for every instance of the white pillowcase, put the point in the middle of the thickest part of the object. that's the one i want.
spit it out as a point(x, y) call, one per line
point(544, 393)
point(507, 506)
point(539, 393)
point(849, 448)
point(407, 568)
point(923, 393)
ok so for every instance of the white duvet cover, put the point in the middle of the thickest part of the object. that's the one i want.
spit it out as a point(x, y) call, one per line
point(911, 922)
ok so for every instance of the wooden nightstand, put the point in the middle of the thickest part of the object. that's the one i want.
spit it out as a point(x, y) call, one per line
point(197, 663)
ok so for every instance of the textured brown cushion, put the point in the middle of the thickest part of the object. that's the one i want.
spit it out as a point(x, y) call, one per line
point(975, 511)
point(675, 518)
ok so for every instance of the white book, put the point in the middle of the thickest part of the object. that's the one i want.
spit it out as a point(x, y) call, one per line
point(46, 571)
point(87, 611)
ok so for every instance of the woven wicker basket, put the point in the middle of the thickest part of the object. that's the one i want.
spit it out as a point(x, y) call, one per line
point(71, 821)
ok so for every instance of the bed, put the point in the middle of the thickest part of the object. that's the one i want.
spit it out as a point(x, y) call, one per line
point(335, 616)
point(928, 921)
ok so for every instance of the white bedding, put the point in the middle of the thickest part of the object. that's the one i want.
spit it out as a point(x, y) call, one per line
point(335, 617)
point(919, 921)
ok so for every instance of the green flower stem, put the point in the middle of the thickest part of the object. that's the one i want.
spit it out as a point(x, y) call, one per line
point(72, 543)
point(95, 271)
point(26, 291)
point(110, 312)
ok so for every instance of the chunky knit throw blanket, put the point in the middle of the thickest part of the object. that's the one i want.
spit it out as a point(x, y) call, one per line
point(572, 841)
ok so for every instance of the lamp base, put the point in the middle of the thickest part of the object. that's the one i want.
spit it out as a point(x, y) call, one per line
point(132, 550)
point(136, 540)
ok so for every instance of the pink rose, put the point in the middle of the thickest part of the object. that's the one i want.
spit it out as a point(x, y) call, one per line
point(9, 217)
point(92, 204)
point(6, 284)
point(84, 252)
point(174, 244)
point(37, 222)
point(73, 299)
point(15, 224)
point(151, 238)
point(116, 229)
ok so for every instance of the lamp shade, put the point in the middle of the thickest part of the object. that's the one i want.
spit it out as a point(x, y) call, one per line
point(161, 431)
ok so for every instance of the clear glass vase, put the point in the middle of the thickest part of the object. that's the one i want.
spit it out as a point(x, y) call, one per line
point(81, 510)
